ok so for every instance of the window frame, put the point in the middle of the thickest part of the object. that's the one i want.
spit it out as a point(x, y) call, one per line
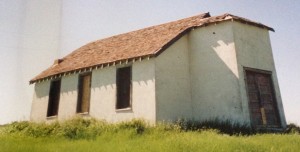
point(119, 106)
point(273, 92)
point(80, 92)
point(54, 98)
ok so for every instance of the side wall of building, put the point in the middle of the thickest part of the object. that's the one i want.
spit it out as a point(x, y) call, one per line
point(103, 94)
point(172, 75)
point(254, 51)
point(67, 102)
point(214, 74)
point(68, 97)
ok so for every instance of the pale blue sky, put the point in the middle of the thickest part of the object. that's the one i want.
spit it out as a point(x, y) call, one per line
point(83, 21)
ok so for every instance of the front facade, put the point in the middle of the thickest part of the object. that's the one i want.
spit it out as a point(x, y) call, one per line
point(223, 70)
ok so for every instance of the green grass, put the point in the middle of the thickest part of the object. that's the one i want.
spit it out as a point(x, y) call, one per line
point(91, 135)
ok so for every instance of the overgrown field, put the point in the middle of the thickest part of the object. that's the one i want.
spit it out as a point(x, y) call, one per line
point(92, 135)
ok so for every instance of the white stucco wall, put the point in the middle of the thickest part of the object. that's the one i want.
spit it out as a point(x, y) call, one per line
point(254, 51)
point(214, 74)
point(143, 90)
point(39, 104)
point(172, 75)
point(103, 93)
point(68, 97)
point(67, 102)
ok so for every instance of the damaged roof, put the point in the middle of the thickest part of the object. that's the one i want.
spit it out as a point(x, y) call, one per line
point(129, 47)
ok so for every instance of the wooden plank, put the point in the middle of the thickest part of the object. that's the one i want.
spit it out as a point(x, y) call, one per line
point(263, 116)
point(84, 89)
point(86, 93)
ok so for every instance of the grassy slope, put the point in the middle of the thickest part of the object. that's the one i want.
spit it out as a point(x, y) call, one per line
point(153, 140)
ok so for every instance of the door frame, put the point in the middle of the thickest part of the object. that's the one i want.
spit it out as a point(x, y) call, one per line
point(270, 73)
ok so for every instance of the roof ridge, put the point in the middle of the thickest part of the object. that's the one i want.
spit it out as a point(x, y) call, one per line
point(202, 16)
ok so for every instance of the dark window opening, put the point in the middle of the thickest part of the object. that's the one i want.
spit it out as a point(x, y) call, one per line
point(123, 87)
point(262, 101)
point(53, 98)
point(84, 91)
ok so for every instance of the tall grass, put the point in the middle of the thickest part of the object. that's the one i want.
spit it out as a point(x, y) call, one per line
point(76, 128)
point(83, 128)
point(93, 135)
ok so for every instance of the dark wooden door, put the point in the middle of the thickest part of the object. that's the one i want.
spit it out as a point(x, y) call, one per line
point(262, 103)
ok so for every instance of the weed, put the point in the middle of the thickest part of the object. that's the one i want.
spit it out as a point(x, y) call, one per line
point(227, 127)
point(90, 128)
point(79, 128)
point(137, 124)
point(292, 129)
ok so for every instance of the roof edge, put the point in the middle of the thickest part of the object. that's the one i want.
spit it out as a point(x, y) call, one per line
point(247, 21)
point(93, 67)
point(223, 18)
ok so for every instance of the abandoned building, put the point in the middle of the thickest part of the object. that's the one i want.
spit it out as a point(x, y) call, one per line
point(198, 68)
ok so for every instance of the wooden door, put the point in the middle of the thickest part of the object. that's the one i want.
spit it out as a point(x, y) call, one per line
point(262, 103)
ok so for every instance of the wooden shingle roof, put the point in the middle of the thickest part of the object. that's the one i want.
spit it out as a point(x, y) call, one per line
point(137, 45)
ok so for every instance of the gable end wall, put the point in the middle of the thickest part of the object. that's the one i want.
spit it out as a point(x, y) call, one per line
point(254, 51)
point(214, 74)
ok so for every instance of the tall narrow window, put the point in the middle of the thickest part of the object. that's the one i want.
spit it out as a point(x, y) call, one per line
point(53, 98)
point(123, 87)
point(84, 91)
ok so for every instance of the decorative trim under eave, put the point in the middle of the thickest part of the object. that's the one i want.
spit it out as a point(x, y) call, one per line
point(91, 68)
